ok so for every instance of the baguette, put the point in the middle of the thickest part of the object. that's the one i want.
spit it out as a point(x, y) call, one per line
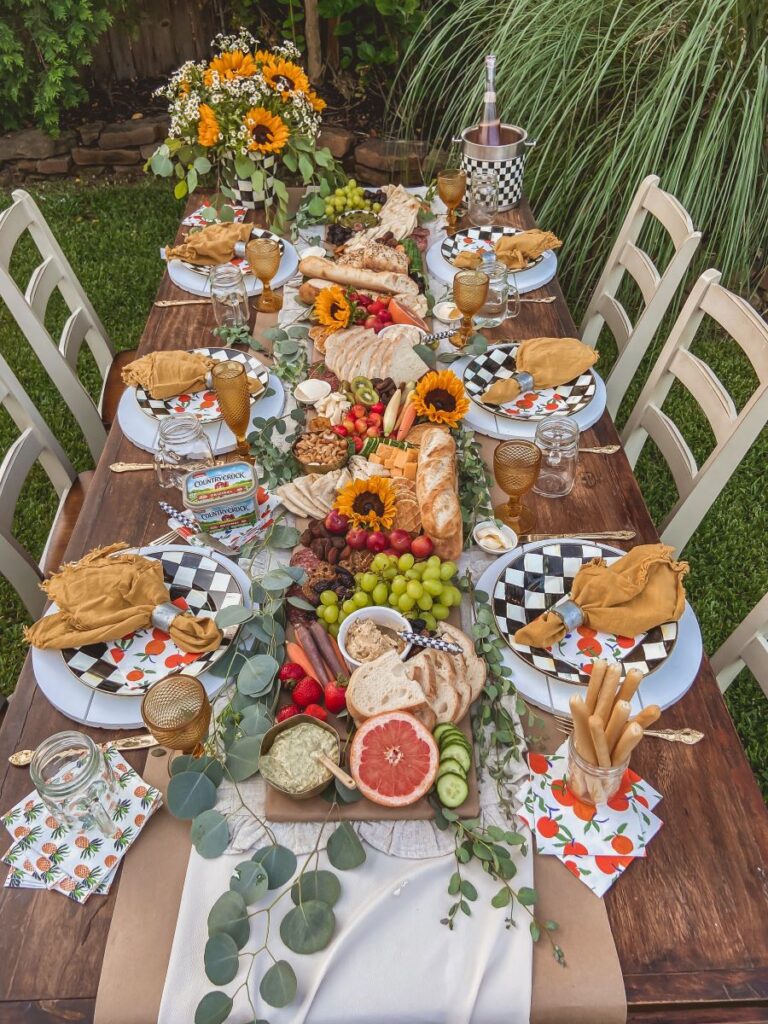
point(353, 277)
point(436, 493)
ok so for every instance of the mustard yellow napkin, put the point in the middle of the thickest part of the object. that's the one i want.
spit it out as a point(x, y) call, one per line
point(167, 374)
point(641, 590)
point(551, 362)
point(106, 596)
point(468, 260)
point(215, 243)
point(517, 250)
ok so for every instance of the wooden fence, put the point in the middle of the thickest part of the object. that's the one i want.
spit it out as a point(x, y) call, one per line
point(155, 39)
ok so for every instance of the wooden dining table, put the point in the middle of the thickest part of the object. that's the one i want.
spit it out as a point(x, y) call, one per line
point(690, 921)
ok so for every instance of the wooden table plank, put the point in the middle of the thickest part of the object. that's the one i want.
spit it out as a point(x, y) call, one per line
point(689, 921)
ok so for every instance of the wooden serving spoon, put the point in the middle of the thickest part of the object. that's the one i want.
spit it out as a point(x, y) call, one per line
point(334, 769)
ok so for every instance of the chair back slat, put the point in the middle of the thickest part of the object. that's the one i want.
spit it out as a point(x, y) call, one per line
point(657, 288)
point(29, 308)
point(34, 444)
point(747, 646)
point(735, 431)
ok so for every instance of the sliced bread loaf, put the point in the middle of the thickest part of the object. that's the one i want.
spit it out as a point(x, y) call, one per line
point(382, 685)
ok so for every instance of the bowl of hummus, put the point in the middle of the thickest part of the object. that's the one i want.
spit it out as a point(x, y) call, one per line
point(370, 632)
point(288, 756)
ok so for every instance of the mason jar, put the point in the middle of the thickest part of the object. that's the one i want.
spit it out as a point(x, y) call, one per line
point(590, 783)
point(182, 447)
point(229, 296)
point(558, 439)
point(76, 782)
point(494, 312)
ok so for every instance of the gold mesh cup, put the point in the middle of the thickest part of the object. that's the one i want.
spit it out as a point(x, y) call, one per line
point(230, 382)
point(263, 255)
point(451, 186)
point(516, 467)
point(177, 712)
point(470, 290)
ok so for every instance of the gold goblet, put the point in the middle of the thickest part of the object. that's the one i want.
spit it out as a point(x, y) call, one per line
point(516, 466)
point(451, 185)
point(230, 382)
point(470, 290)
point(263, 255)
point(177, 712)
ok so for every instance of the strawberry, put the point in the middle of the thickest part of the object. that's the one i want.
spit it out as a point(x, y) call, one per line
point(307, 691)
point(316, 711)
point(287, 712)
point(290, 672)
point(335, 697)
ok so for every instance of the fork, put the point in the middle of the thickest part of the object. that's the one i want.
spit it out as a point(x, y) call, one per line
point(166, 538)
point(689, 736)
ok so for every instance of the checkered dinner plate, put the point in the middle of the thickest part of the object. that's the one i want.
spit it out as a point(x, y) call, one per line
point(204, 405)
point(480, 240)
point(498, 363)
point(237, 261)
point(128, 667)
point(536, 580)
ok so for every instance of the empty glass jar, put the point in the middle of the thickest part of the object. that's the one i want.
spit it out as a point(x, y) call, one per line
point(76, 782)
point(182, 447)
point(483, 198)
point(558, 439)
point(229, 296)
point(494, 310)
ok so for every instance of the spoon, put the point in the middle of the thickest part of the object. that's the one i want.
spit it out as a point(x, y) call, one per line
point(334, 769)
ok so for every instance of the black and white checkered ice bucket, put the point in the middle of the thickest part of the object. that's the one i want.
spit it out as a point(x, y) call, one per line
point(244, 192)
point(507, 160)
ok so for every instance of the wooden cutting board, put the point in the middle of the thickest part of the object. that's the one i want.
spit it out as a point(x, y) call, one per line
point(280, 807)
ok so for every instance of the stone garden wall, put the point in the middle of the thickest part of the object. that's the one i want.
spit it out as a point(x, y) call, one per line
point(120, 149)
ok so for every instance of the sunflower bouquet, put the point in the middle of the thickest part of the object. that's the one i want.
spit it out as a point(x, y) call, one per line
point(245, 114)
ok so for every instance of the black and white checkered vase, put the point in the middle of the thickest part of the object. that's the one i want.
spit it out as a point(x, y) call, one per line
point(244, 193)
point(509, 172)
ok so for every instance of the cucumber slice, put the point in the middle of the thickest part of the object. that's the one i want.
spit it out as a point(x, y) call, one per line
point(451, 765)
point(452, 790)
point(457, 752)
point(441, 729)
point(453, 735)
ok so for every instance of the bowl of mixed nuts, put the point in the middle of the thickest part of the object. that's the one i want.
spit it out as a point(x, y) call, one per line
point(319, 450)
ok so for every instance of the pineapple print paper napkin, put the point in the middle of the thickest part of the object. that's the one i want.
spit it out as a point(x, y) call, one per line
point(47, 855)
point(596, 844)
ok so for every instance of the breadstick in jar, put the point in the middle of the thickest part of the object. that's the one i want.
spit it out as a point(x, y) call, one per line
point(598, 738)
point(647, 716)
point(595, 682)
point(582, 739)
point(607, 693)
point(628, 740)
point(629, 687)
point(616, 722)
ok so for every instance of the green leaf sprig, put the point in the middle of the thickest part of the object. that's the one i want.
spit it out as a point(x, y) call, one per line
point(475, 482)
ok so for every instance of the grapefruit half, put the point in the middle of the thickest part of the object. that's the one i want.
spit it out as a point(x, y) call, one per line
point(393, 759)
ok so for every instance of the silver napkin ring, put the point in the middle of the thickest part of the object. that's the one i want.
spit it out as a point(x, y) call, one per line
point(569, 612)
point(525, 380)
point(163, 615)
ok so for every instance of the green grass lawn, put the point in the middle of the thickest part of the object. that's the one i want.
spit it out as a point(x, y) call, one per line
point(112, 233)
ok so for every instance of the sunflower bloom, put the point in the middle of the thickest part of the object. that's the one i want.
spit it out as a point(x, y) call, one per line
point(234, 64)
point(208, 133)
point(268, 132)
point(316, 102)
point(368, 503)
point(332, 309)
point(285, 77)
point(440, 397)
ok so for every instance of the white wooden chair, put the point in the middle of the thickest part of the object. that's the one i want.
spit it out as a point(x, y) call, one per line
point(734, 431)
point(35, 443)
point(28, 308)
point(746, 647)
point(657, 289)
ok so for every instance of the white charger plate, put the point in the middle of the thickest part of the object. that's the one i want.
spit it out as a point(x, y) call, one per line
point(141, 429)
point(105, 710)
point(195, 283)
point(527, 280)
point(664, 687)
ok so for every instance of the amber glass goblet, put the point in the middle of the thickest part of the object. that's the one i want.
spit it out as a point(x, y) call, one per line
point(263, 255)
point(451, 186)
point(470, 290)
point(516, 466)
point(177, 712)
point(230, 382)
